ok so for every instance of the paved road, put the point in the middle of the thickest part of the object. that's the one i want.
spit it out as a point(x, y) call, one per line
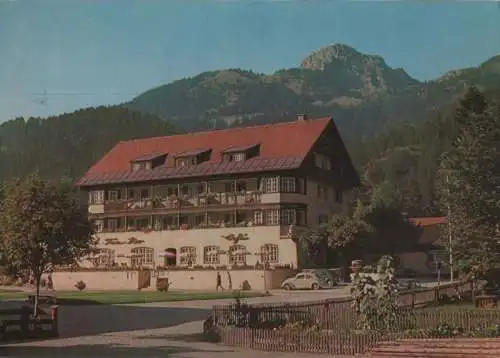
point(148, 330)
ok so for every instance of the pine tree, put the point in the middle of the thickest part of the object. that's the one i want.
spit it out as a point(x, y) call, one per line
point(469, 186)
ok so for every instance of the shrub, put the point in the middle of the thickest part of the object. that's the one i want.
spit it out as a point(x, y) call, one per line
point(210, 331)
point(162, 284)
point(80, 285)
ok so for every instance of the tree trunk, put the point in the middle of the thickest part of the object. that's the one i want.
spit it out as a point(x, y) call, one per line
point(38, 278)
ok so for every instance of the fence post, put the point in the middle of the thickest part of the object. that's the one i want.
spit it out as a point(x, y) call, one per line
point(54, 310)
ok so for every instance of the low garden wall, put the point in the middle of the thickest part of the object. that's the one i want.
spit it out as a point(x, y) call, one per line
point(96, 280)
point(187, 279)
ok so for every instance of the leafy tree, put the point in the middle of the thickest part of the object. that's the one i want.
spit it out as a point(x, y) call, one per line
point(393, 232)
point(468, 185)
point(40, 228)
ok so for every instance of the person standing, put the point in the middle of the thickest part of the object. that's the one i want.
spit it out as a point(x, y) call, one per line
point(219, 282)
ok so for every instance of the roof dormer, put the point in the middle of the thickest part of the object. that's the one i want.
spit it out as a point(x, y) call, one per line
point(192, 157)
point(148, 161)
point(241, 153)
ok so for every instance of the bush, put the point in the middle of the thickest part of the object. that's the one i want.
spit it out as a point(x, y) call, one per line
point(80, 285)
point(162, 284)
point(210, 331)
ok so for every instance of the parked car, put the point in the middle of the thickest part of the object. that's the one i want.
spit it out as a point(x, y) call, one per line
point(308, 280)
point(406, 273)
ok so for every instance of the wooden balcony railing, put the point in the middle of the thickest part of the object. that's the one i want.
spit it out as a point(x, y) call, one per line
point(185, 201)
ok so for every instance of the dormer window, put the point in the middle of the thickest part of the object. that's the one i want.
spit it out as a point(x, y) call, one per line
point(192, 157)
point(237, 157)
point(240, 154)
point(148, 161)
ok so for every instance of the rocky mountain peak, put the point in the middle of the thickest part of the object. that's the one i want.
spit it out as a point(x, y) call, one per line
point(320, 59)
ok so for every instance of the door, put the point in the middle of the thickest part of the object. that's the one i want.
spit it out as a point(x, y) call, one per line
point(144, 279)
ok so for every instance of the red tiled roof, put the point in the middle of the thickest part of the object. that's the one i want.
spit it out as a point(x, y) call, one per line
point(428, 221)
point(282, 146)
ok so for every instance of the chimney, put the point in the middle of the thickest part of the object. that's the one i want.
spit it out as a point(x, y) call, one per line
point(302, 117)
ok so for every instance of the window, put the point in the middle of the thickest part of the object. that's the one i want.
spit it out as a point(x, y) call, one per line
point(184, 162)
point(271, 185)
point(258, 217)
point(98, 225)
point(241, 186)
point(237, 255)
point(287, 185)
point(229, 187)
point(300, 276)
point(272, 217)
point(322, 161)
point(237, 157)
point(211, 255)
point(338, 196)
point(301, 217)
point(138, 166)
point(269, 253)
point(145, 193)
point(188, 255)
point(96, 197)
point(112, 225)
point(112, 195)
point(322, 219)
point(287, 216)
point(142, 256)
point(105, 258)
point(172, 191)
point(318, 160)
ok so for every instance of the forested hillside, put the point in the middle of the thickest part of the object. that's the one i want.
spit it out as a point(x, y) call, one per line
point(67, 145)
point(398, 165)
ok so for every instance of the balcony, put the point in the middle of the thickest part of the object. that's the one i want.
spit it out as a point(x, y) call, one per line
point(185, 202)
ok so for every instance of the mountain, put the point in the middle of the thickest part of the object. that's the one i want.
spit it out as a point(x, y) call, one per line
point(67, 145)
point(360, 90)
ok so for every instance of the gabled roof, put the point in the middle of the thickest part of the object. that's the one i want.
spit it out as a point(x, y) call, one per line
point(428, 221)
point(282, 146)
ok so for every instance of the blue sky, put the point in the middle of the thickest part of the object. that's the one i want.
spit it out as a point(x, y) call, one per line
point(60, 55)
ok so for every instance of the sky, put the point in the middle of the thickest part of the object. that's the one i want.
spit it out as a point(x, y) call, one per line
point(60, 55)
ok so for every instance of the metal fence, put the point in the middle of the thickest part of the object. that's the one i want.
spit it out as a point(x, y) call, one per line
point(330, 326)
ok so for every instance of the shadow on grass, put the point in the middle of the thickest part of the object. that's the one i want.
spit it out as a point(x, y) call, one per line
point(104, 350)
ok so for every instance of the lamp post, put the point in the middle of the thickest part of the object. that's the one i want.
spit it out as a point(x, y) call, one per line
point(450, 236)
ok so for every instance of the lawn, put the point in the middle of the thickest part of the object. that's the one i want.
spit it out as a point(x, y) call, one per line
point(123, 297)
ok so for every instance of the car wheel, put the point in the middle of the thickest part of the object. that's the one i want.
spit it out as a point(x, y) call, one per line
point(287, 287)
point(315, 286)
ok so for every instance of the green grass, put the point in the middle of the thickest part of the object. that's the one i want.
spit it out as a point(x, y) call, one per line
point(124, 297)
